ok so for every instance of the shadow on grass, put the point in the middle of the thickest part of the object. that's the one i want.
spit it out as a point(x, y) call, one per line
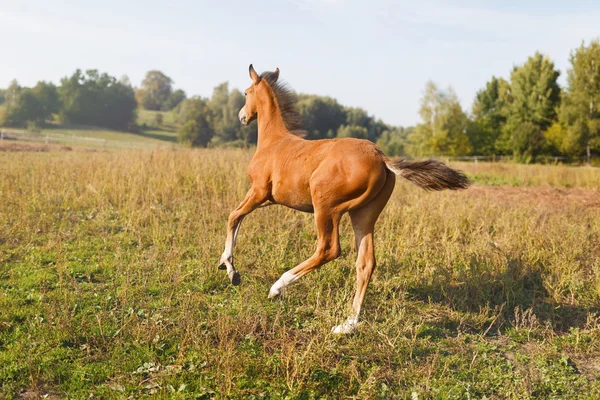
point(156, 135)
point(518, 295)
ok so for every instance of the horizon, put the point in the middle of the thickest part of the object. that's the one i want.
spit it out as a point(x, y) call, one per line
point(365, 47)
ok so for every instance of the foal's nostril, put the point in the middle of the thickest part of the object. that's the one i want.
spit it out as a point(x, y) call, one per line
point(243, 120)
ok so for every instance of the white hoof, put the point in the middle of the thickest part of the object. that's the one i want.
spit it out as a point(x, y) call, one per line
point(347, 327)
point(273, 292)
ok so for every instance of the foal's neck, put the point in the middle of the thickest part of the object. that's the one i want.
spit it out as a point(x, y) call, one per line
point(271, 126)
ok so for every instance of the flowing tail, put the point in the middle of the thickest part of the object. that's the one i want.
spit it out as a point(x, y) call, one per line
point(428, 174)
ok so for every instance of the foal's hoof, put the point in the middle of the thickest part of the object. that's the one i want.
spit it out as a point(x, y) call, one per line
point(235, 278)
point(348, 327)
point(273, 293)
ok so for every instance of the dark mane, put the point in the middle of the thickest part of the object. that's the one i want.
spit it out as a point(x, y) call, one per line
point(288, 101)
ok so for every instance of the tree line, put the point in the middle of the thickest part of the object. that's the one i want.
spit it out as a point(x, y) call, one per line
point(87, 98)
point(527, 116)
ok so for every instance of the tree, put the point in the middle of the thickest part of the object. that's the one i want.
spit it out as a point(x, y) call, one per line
point(580, 110)
point(47, 96)
point(393, 141)
point(194, 134)
point(489, 115)
point(224, 109)
point(8, 108)
point(97, 99)
point(534, 99)
point(25, 108)
point(25, 105)
point(322, 116)
point(557, 138)
point(155, 92)
point(352, 131)
point(444, 126)
point(174, 99)
point(195, 116)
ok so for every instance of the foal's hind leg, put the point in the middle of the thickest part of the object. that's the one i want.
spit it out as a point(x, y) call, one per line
point(363, 223)
point(328, 249)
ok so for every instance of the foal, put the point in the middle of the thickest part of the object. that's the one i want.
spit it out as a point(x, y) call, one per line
point(325, 177)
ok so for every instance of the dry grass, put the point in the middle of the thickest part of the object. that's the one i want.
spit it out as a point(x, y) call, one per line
point(109, 286)
point(20, 147)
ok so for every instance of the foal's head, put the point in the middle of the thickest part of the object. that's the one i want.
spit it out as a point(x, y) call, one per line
point(248, 113)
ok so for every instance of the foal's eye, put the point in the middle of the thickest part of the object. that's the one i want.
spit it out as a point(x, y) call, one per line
point(245, 94)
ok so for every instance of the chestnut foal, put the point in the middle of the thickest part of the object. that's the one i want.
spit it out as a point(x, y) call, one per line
point(325, 177)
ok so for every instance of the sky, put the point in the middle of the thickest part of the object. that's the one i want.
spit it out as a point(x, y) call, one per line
point(375, 54)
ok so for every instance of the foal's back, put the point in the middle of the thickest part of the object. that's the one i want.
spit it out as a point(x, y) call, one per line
point(343, 173)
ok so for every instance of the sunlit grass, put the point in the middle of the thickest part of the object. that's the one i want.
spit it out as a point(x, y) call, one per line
point(109, 286)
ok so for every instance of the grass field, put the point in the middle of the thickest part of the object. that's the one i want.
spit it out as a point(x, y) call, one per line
point(149, 135)
point(109, 286)
point(148, 118)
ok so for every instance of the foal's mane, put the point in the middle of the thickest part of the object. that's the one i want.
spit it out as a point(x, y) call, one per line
point(288, 103)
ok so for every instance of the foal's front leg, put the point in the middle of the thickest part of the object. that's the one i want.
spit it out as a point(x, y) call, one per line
point(251, 202)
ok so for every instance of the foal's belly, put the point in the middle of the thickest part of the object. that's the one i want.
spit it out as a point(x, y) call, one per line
point(292, 194)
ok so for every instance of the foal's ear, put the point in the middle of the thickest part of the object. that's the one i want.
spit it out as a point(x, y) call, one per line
point(253, 75)
point(276, 74)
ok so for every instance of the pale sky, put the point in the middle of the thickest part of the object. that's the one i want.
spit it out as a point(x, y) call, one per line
point(375, 54)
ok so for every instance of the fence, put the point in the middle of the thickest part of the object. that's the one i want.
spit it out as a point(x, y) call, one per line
point(475, 159)
point(74, 140)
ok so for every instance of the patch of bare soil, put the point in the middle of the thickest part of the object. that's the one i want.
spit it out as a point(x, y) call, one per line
point(538, 197)
point(38, 148)
point(588, 366)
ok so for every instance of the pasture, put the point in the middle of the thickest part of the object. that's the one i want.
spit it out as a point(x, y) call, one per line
point(109, 285)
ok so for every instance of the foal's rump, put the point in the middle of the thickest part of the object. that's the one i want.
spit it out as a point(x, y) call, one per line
point(428, 174)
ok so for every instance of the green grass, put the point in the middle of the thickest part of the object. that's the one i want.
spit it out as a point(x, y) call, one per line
point(148, 118)
point(109, 286)
point(149, 135)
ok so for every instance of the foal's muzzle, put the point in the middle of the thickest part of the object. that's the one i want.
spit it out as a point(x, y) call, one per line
point(242, 116)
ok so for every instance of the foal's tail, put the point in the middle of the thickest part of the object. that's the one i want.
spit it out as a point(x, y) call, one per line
point(428, 174)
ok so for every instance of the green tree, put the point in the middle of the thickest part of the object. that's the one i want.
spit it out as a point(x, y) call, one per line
point(580, 109)
point(225, 106)
point(556, 138)
point(174, 99)
point(322, 116)
point(195, 116)
point(25, 108)
point(194, 134)
point(352, 131)
point(24, 105)
point(534, 99)
point(155, 91)
point(489, 115)
point(393, 141)
point(444, 127)
point(48, 98)
point(8, 109)
point(97, 99)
